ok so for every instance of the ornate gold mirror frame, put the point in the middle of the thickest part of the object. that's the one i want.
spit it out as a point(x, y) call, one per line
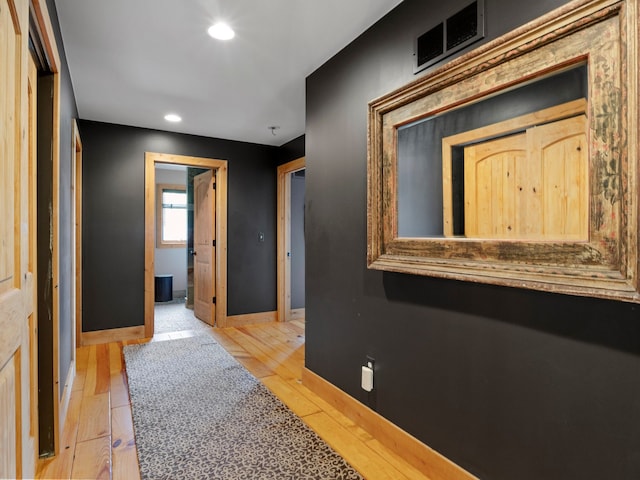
point(603, 260)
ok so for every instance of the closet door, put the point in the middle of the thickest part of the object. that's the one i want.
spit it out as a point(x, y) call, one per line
point(560, 149)
point(532, 185)
point(17, 444)
point(493, 172)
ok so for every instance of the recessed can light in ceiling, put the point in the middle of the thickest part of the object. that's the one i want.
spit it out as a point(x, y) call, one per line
point(172, 117)
point(221, 31)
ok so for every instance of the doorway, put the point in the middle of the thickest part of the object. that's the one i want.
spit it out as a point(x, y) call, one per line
point(171, 251)
point(47, 259)
point(184, 250)
point(291, 255)
point(218, 274)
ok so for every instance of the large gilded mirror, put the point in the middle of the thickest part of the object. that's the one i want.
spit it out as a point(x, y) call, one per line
point(516, 164)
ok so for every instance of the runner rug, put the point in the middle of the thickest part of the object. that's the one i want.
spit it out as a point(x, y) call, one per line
point(198, 414)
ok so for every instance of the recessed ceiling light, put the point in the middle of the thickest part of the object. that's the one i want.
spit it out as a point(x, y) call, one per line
point(172, 117)
point(221, 31)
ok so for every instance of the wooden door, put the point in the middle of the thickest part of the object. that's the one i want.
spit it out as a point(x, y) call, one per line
point(560, 148)
point(204, 247)
point(17, 442)
point(532, 185)
point(492, 174)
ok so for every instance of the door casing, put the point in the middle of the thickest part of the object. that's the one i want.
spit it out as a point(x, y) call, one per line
point(220, 170)
point(76, 171)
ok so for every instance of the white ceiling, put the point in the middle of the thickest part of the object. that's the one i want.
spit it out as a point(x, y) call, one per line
point(133, 61)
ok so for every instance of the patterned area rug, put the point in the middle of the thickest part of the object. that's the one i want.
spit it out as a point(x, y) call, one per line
point(198, 414)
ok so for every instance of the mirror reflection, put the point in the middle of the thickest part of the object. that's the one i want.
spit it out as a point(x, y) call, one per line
point(512, 166)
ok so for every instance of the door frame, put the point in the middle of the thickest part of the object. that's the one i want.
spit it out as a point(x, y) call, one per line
point(46, 36)
point(76, 212)
point(285, 313)
point(32, 148)
point(220, 169)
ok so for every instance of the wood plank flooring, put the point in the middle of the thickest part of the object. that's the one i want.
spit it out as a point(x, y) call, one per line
point(98, 440)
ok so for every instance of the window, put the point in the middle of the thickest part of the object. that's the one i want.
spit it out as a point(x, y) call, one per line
point(171, 222)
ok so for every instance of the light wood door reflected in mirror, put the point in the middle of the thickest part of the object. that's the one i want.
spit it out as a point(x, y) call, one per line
point(529, 184)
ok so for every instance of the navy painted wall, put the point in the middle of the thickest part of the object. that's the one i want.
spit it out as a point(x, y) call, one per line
point(508, 383)
point(113, 220)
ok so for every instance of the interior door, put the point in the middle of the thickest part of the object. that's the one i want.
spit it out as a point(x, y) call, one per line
point(561, 150)
point(532, 185)
point(204, 247)
point(17, 443)
point(492, 171)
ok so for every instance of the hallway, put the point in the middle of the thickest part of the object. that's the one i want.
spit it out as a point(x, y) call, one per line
point(98, 439)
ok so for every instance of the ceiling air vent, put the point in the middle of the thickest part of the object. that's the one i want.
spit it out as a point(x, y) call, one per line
point(453, 34)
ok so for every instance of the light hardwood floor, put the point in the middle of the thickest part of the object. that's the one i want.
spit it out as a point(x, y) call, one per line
point(98, 440)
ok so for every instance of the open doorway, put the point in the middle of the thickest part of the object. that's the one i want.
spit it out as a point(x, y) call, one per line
point(291, 244)
point(168, 201)
point(171, 311)
point(184, 250)
point(170, 271)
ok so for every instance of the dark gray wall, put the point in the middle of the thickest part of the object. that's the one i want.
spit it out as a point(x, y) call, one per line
point(113, 220)
point(508, 383)
point(291, 150)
